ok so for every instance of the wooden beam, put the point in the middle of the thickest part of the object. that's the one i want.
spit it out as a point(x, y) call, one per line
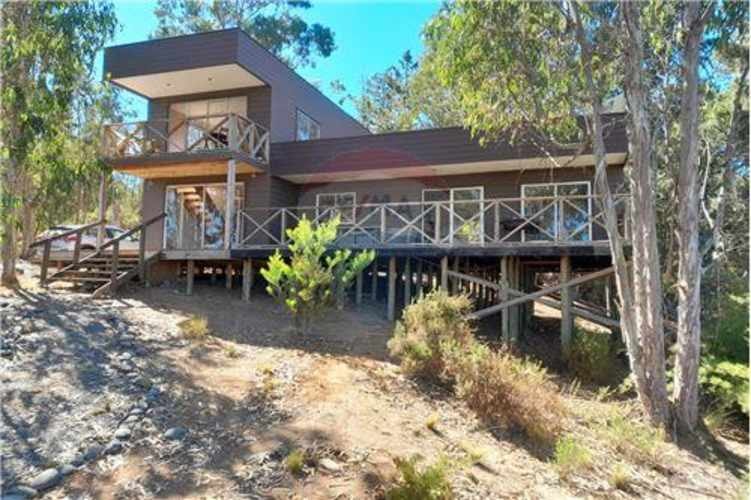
point(418, 290)
point(391, 301)
point(247, 277)
point(445, 274)
point(374, 280)
point(567, 320)
point(455, 282)
point(228, 282)
point(503, 297)
point(229, 216)
point(407, 282)
point(540, 293)
point(189, 277)
point(358, 289)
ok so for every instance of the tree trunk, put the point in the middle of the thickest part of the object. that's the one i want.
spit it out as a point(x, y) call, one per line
point(647, 284)
point(686, 383)
point(27, 217)
point(643, 367)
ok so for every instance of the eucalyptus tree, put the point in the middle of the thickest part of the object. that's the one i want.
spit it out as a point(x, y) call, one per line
point(47, 49)
point(274, 23)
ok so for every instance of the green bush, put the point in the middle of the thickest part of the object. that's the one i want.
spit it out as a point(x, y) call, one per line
point(727, 336)
point(591, 358)
point(421, 338)
point(428, 483)
point(570, 456)
point(726, 383)
point(314, 276)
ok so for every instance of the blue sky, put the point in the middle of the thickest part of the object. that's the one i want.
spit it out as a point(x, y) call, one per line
point(370, 36)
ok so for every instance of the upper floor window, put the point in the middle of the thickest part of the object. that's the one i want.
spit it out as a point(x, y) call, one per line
point(202, 124)
point(307, 128)
point(342, 204)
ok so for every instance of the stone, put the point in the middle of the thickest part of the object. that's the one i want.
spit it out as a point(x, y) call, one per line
point(94, 328)
point(21, 491)
point(152, 394)
point(329, 465)
point(92, 452)
point(123, 433)
point(176, 433)
point(67, 469)
point(46, 479)
point(114, 447)
point(137, 411)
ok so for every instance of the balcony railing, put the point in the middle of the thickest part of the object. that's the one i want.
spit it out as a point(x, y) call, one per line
point(558, 221)
point(227, 131)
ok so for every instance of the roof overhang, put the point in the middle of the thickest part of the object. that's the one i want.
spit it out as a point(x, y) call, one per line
point(343, 175)
point(189, 81)
point(176, 165)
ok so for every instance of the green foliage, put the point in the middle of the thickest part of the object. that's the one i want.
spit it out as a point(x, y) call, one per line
point(195, 328)
point(428, 483)
point(619, 478)
point(591, 357)
point(274, 23)
point(727, 337)
point(726, 383)
point(436, 342)
point(313, 277)
point(634, 439)
point(570, 456)
point(295, 461)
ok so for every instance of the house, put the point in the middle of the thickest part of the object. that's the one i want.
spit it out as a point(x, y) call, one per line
point(238, 147)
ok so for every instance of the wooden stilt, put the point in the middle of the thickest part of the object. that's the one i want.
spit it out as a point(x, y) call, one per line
point(228, 283)
point(445, 274)
point(391, 301)
point(247, 273)
point(503, 297)
point(567, 320)
point(455, 283)
point(407, 282)
point(374, 280)
point(358, 289)
point(189, 277)
point(419, 284)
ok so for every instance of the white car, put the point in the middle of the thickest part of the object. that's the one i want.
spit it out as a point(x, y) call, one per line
point(88, 239)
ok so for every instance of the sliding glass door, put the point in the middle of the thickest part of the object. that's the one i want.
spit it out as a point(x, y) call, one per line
point(196, 216)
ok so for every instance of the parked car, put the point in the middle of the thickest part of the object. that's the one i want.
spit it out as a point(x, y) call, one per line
point(88, 239)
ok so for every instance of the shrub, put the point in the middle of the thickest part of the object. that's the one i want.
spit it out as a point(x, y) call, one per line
point(619, 478)
point(428, 483)
point(312, 279)
point(634, 439)
point(570, 456)
point(194, 328)
point(590, 357)
point(432, 422)
point(425, 331)
point(726, 383)
point(727, 337)
point(295, 461)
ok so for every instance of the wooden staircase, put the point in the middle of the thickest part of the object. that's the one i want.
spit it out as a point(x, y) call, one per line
point(105, 269)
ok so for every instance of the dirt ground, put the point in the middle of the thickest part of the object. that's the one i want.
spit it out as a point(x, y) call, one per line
point(254, 391)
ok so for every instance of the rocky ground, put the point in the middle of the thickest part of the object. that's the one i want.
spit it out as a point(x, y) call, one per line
point(107, 399)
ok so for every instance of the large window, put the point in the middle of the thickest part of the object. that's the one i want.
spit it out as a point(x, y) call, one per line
point(307, 128)
point(202, 124)
point(559, 211)
point(196, 215)
point(461, 218)
point(338, 203)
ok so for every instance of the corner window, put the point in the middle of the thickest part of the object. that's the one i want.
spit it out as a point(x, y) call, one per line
point(557, 211)
point(341, 203)
point(307, 128)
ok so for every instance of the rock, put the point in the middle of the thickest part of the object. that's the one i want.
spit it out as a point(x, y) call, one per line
point(152, 394)
point(14, 496)
point(114, 447)
point(123, 433)
point(46, 479)
point(91, 453)
point(329, 465)
point(176, 433)
point(94, 328)
point(126, 356)
point(136, 411)
point(67, 469)
point(21, 491)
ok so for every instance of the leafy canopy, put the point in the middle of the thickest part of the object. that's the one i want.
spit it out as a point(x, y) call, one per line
point(274, 23)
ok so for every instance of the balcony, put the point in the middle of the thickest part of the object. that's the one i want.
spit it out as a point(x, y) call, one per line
point(186, 139)
point(530, 223)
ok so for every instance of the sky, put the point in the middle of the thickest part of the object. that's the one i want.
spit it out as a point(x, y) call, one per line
point(370, 36)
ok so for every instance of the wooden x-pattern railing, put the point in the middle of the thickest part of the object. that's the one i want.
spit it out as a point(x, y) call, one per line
point(228, 131)
point(493, 222)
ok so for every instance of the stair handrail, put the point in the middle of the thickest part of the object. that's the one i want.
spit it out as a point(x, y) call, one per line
point(47, 243)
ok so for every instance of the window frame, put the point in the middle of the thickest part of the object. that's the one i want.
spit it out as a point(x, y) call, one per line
point(298, 113)
point(556, 206)
point(336, 194)
point(450, 201)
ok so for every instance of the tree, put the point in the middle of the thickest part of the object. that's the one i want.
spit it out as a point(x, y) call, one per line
point(315, 277)
point(46, 51)
point(273, 23)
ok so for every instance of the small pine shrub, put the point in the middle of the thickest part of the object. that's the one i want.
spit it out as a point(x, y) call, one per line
point(428, 483)
point(725, 383)
point(194, 328)
point(295, 461)
point(570, 456)
point(590, 357)
point(426, 327)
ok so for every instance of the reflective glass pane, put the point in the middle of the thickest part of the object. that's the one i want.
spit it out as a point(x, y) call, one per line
point(214, 216)
point(539, 208)
point(467, 214)
point(573, 212)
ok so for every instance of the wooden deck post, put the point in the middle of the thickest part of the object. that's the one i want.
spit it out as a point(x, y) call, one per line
point(503, 297)
point(358, 289)
point(228, 272)
point(515, 320)
point(229, 216)
point(391, 301)
point(445, 274)
point(455, 283)
point(374, 280)
point(418, 271)
point(567, 320)
point(407, 282)
point(189, 277)
point(247, 278)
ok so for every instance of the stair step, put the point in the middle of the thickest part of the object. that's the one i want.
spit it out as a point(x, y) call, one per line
point(88, 274)
point(76, 279)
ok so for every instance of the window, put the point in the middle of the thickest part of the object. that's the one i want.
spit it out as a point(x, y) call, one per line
point(462, 216)
point(560, 211)
point(342, 203)
point(307, 128)
point(202, 124)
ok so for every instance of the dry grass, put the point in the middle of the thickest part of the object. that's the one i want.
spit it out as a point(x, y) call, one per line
point(571, 456)
point(432, 422)
point(195, 328)
point(426, 483)
point(620, 479)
